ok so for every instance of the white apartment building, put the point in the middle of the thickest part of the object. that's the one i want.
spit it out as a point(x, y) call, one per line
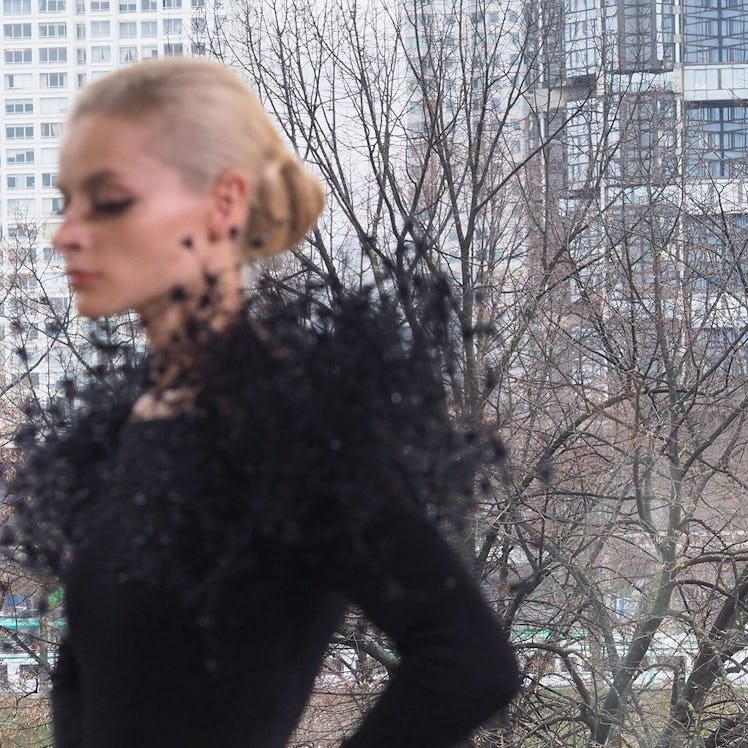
point(51, 49)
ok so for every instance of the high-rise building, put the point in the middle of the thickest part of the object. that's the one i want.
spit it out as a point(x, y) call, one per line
point(640, 109)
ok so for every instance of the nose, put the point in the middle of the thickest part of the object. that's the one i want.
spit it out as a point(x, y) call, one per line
point(71, 234)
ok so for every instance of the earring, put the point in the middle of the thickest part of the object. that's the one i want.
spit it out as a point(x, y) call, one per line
point(178, 293)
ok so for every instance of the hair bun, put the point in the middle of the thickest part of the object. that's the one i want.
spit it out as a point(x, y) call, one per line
point(288, 201)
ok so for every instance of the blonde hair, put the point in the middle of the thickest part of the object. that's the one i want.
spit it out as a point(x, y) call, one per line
point(206, 120)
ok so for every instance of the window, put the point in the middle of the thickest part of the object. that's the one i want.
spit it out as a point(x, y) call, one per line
point(51, 6)
point(20, 206)
point(173, 49)
point(128, 54)
point(54, 105)
point(52, 205)
point(717, 140)
point(128, 6)
point(19, 156)
point(169, 4)
point(16, 7)
point(80, 7)
point(17, 56)
point(149, 52)
point(49, 179)
point(148, 5)
point(81, 80)
point(50, 156)
point(149, 28)
point(80, 56)
point(99, 5)
point(128, 29)
point(51, 129)
point(101, 54)
point(198, 3)
point(21, 181)
point(198, 48)
point(19, 106)
point(199, 25)
point(49, 30)
point(172, 26)
point(19, 132)
point(80, 31)
point(100, 29)
point(19, 81)
point(54, 80)
point(16, 31)
point(53, 54)
point(714, 32)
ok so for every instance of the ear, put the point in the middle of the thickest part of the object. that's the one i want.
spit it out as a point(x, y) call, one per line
point(230, 199)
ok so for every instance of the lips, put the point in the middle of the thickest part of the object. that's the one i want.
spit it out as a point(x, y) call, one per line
point(81, 278)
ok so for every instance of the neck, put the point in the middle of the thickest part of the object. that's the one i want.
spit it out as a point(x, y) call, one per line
point(179, 326)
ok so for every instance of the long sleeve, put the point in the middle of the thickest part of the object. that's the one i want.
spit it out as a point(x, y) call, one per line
point(66, 699)
point(457, 667)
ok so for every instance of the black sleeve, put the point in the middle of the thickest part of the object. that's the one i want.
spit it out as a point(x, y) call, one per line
point(66, 699)
point(457, 667)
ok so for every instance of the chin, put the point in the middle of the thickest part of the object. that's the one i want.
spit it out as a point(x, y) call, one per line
point(93, 311)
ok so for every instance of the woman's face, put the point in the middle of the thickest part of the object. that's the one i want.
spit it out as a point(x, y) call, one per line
point(132, 231)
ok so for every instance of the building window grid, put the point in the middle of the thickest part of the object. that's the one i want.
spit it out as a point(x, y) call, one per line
point(16, 7)
point(19, 156)
point(54, 80)
point(128, 29)
point(52, 6)
point(101, 55)
point(172, 26)
point(51, 129)
point(128, 55)
point(715, 31)
point(53, 54)
point(20, 181)
point(18, 56)
point(717, 140)
point(581, 32)
point(100, 29)
point(17, 31)
point(19, 132)
point(19, 81)
point(19, 106)
point(53, 30)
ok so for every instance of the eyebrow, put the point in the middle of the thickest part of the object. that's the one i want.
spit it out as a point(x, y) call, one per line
point(92, 182)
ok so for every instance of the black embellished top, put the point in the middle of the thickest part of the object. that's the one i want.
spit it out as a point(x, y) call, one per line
point(206, 558)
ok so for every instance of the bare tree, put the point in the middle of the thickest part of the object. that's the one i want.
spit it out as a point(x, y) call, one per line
point(602, 300)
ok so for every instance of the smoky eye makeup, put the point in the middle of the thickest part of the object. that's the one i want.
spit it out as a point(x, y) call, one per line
point(111, 207)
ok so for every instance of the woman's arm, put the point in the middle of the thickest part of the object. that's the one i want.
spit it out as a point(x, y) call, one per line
point(66, 699)
point(457, 667)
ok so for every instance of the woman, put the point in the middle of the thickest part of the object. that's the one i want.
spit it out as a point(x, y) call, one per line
point(211, 522)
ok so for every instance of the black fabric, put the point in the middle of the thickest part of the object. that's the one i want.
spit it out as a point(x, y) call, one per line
point(207, 558)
